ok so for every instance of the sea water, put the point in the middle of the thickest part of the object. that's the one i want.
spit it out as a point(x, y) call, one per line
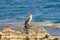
point(41, 9)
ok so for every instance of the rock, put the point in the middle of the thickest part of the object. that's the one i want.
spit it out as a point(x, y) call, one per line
point(29, 34)
point(53, 38)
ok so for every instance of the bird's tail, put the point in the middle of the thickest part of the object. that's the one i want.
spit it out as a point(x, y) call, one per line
point(26, 26)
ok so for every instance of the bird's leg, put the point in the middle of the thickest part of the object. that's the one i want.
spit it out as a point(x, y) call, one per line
point(28, 26)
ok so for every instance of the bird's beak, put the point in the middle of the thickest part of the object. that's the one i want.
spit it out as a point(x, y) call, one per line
point(29, 13)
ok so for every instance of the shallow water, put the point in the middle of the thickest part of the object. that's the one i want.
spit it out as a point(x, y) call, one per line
point(54, 31)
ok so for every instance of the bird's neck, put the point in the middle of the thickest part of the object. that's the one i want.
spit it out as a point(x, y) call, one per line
point(30, 15)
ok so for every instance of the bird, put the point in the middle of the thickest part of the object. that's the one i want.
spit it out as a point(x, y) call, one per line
point(28, 20)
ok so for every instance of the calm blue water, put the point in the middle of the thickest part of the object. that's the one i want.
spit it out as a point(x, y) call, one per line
point(41, 9)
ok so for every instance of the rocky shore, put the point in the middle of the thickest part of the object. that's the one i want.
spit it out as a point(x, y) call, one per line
point(26, 34)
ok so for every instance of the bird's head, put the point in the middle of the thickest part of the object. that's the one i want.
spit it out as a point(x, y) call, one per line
point(30, 13)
